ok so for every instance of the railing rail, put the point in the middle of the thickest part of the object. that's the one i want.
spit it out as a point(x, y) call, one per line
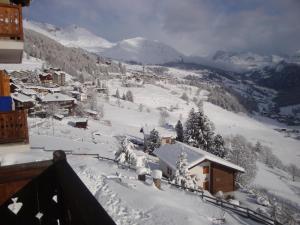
point(243, 211)
point(11, 26)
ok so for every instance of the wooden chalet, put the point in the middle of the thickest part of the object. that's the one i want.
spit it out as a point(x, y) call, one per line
point(213, 173)
point(79, 123)
point(167, 140)
point(46, 78)
point(13, 123)
point(47, 193)
point(60, 101)
point(22, 102)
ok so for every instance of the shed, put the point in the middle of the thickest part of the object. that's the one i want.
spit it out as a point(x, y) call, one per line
point(80, 122)
point(214, 173)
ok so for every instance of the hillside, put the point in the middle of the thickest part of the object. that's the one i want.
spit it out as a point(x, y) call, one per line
point(72, 60)
point(71, 36)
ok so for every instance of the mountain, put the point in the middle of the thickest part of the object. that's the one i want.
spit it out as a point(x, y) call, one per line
point(144, 51)
point(137, 49)
point(71, 36)
point(283, 77)
point(246, 60)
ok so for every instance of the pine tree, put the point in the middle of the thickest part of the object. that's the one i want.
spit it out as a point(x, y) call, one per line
point(153, 141)
point(117, 93)
point(179, 131)
point(218, 146)
point(126, 153)
point(258, 147)
point(124, 97)
point(198, 131)
point(129, 96)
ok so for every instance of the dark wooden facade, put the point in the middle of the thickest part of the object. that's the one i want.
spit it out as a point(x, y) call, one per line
point(4, 84)
point(14, 178)
point(221, 178)
point(39, 183)
point(11, 26)
point(13, 127)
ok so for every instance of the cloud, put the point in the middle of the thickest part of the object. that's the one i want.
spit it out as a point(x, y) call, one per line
point(191, 26)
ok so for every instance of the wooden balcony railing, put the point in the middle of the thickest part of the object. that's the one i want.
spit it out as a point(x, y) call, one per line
point(11, 26)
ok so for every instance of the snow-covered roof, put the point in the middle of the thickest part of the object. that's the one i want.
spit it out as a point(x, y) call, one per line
point(28, 91)
point(170, 153)
point(79, 120)
point(91, 111)
point(57, 97)
point(21, 97)
point(59, 116)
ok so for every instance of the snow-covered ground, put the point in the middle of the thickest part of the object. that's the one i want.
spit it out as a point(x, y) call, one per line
point(28, 63)
point(129, 201)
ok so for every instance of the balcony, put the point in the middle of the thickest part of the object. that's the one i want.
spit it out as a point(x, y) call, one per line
point(11, 33)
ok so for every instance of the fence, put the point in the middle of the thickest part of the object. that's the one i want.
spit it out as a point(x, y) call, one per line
point(243, 211)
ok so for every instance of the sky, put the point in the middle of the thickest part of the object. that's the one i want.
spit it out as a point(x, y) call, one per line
point(193, 27)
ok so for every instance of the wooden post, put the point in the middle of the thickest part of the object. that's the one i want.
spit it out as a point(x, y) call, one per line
point(59, 155)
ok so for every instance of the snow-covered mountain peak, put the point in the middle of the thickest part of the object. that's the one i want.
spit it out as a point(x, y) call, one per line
point(71, 36)
point(142, 50)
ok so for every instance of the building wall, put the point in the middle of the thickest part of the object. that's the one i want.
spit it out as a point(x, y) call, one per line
point(222, 178)
point(13, 127)
point(4, 84)
point(167, 171)
point(198, 171)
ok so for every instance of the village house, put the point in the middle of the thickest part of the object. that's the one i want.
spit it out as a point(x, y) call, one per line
point(29, 92)
point(59, 101)
point(80, 96)
point(167, 140)
point(213, 173)
point(79, 123)
point(59, 78)
point(44, 90)
point(46, 78)
point(22, 101)
point(92, 114)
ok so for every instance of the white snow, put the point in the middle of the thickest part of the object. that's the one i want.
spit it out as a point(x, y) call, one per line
point(71, 36)
point(156, 174)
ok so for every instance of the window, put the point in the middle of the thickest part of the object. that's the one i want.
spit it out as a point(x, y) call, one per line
point(205, 169)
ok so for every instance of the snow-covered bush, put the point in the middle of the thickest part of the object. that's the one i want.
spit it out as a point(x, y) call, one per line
point(182, 175)
point(126, 153)
point(262, 201)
